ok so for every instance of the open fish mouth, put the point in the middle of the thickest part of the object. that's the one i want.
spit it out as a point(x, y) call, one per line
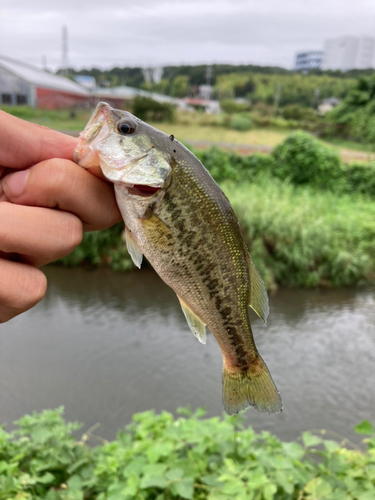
point(143, 191)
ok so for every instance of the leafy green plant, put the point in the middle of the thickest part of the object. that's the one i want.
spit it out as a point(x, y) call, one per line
point(189, 457)
point(359, 177)
point(224, 165)
point(304, 160)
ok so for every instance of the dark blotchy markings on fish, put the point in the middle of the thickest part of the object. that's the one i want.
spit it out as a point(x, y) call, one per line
point(186, 228)
point(188, 242)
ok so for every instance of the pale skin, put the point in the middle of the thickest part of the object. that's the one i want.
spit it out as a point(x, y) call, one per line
point(46, 203)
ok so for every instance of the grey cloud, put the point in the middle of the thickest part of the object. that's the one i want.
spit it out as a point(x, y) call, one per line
point(172, 31)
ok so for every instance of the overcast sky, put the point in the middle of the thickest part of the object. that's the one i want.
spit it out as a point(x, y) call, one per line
point(107, 33)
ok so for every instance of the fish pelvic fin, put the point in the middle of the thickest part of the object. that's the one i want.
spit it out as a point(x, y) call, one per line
point(251, 387)
point(134, 251)
point(197, 327)
point(258, 298)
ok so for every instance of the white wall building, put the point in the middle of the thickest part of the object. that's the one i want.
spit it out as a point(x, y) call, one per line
point(349, 52)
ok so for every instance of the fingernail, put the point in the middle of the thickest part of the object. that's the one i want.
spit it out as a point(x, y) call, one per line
point(14, 184)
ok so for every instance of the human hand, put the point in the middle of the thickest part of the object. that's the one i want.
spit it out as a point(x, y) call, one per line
point(46, 202)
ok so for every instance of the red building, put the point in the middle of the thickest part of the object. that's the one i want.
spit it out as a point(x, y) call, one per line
point(22, 83)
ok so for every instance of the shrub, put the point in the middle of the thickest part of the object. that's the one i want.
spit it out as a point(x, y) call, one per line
point(149, 110)
point(241, 122)
point(231, 166)
point(258, 164)
point(359, 177)
point(162, 457)
point(218, 163)
point(304, 160)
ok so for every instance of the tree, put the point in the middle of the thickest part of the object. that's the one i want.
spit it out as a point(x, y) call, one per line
point(356, 113)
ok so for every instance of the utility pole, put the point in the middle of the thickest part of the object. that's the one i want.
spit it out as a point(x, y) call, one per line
point(208, 74)
point(316, 97)
point(208, 80)
point(65, 50)
point(277, 97)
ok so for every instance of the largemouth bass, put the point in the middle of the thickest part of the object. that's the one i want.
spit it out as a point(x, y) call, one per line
point(177, 216)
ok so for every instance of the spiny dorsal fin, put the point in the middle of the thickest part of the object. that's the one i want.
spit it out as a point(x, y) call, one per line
point(133, 248)
point(195, 324)
point(258, 299)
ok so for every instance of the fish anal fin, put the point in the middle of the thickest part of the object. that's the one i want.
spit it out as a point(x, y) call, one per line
point(195, 324)
point(258, 298)
point(133, 248)
point(251, 387)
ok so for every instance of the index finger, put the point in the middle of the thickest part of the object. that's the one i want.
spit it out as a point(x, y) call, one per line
point(23, 143)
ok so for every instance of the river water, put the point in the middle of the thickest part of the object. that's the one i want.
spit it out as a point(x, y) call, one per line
point(106, 345)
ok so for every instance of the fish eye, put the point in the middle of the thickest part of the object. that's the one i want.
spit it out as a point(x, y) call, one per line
point(126, 128)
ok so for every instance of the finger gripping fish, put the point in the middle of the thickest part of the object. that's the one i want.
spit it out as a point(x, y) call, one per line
point(177, 216)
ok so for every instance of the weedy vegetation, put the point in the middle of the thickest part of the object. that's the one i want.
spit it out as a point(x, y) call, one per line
point(164, 458)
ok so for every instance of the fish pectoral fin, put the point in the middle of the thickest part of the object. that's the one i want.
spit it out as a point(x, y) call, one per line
point(258, 298)
point(133, 248)
point(195, 324)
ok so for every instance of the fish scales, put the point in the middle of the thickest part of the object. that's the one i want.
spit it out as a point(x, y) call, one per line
point(177, 216)
point(180, 263)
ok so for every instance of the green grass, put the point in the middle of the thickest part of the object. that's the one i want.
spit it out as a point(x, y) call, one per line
point(297, 237)
point(350, 145)
point(55, 119)
point(304, 237)
point(256, 137)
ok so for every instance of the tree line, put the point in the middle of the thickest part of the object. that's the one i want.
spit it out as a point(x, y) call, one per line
point(256, 83)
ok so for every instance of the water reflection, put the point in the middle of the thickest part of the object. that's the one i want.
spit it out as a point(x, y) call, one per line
point(108, 344)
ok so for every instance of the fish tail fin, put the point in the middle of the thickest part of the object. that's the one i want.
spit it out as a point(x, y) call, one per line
point(251, 387)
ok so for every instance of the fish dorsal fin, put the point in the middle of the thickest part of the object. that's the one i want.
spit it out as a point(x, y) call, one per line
point(133, 248)
point(195, 324)
point(258, 299)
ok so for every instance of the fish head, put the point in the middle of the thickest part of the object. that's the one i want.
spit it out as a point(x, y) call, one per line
point(128, 151)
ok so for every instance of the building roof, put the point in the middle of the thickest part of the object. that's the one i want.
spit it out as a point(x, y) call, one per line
point(41, 78)
point(125, 92)
point(86, 81)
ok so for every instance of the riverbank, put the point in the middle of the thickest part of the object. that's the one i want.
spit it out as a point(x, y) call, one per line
point(297, 236)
